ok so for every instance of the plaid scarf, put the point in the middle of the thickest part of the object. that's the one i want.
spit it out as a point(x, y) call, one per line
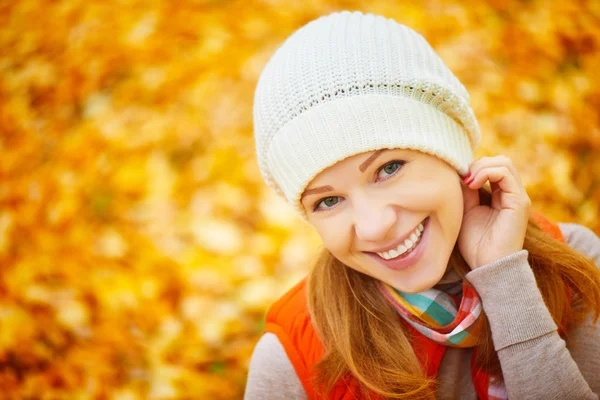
point(449, 317)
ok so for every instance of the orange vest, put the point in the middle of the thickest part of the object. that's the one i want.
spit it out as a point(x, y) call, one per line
point(289, 320)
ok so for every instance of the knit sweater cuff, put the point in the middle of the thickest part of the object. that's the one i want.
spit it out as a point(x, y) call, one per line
point(511, 300)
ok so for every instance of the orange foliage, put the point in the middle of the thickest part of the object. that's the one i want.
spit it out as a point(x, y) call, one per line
point(139, 246)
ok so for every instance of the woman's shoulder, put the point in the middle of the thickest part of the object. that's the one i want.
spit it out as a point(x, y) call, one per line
point(271, 371)
point(582, 239)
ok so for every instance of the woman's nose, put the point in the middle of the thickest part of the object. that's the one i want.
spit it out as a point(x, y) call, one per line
point(372, 221)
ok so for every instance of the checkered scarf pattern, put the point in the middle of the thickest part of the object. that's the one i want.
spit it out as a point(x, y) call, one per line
point(450, 317)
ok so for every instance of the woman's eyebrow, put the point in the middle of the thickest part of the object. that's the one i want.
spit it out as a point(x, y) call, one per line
point(362, 167)
point(316, 190)
point(369, 160)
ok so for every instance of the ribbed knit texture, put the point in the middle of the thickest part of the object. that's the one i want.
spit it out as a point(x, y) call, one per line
point(348, 83)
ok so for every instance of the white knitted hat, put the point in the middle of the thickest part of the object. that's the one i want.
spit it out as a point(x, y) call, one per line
point(348, 83)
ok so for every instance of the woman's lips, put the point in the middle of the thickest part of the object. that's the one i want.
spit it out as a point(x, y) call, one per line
point(403, 262)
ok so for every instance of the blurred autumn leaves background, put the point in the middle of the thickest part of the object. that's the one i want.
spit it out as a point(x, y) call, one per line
point(139, 246)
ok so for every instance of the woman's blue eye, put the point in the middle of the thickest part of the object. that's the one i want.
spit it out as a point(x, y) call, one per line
point(325, 201)
point(392, 170)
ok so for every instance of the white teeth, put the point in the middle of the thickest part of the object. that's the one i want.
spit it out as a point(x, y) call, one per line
point(407, 245)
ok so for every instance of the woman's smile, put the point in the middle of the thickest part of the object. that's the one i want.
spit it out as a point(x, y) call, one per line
point(406, 244)
point(409, 256)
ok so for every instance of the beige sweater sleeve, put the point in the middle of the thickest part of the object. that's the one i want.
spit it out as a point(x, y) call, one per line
point(536, 362)
point(545, 368)
point(271, 374)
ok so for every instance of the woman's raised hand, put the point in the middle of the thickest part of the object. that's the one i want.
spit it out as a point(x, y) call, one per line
point(489, 233)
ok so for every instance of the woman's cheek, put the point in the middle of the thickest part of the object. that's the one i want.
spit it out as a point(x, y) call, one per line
point(333, 237)
point(416, 195)
point(434, 189)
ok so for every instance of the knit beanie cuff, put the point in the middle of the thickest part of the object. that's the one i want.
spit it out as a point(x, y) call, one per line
point(337, 129)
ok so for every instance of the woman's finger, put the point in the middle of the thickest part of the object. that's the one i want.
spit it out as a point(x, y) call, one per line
point(512, 194)
point(497, 161)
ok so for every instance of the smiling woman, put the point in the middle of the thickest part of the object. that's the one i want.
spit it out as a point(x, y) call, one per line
point(428, 285)
point(377, 211)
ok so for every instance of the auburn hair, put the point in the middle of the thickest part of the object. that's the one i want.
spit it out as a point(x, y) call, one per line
point(364, 337)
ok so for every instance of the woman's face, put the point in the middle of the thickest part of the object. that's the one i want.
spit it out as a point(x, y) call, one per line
point(372, 201)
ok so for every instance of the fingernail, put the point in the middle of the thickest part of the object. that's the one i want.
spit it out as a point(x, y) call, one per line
point(466, 177)
point(468, 181)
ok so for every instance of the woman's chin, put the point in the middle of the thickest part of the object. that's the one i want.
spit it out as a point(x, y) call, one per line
point(416, 283)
